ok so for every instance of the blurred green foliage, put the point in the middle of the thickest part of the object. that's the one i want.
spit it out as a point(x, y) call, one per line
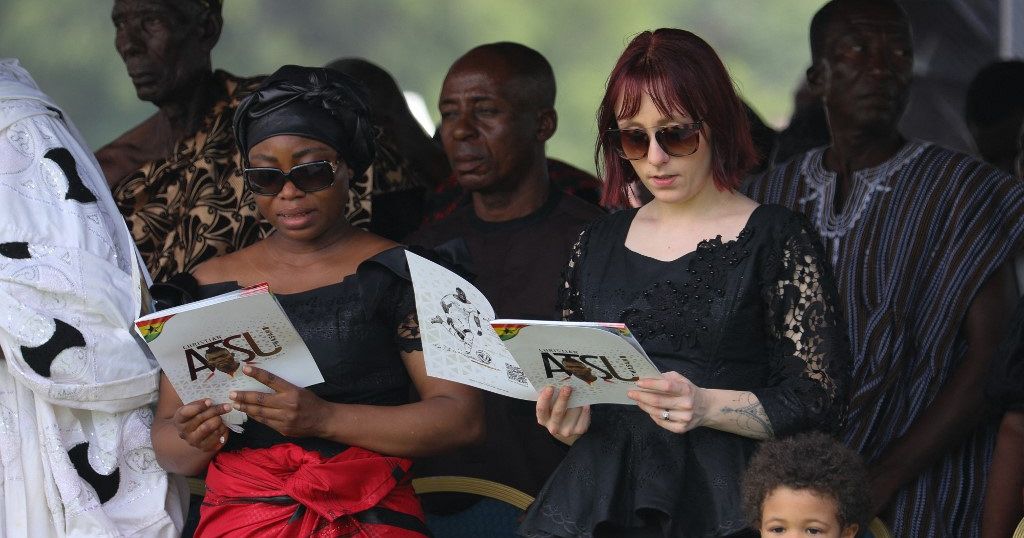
point(68, 47)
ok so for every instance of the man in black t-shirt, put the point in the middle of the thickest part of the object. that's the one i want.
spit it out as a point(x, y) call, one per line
point(497, 112)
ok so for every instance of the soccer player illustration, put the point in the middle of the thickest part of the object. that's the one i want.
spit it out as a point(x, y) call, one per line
point(463, 319)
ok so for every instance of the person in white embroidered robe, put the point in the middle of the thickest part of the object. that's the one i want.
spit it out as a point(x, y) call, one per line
point(72, 376)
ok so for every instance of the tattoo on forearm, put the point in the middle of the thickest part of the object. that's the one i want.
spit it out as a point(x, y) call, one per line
point(749, 415)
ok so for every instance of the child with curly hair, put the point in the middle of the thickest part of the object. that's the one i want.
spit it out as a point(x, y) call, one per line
point(806, 484)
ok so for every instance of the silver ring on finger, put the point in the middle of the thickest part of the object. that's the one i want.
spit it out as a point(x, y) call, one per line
point(664, 415)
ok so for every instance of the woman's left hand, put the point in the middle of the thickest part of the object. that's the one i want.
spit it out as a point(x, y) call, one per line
point(290, 410)
point(674, 402)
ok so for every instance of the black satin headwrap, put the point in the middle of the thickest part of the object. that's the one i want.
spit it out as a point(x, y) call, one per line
point(312, 102)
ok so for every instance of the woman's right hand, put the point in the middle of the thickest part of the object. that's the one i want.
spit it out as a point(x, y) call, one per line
point(566, 425)
point(200, 425)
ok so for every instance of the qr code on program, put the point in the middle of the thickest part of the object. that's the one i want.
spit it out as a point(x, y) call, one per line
point(516, 374)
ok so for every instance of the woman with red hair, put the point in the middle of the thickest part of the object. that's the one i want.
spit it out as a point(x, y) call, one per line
point(745, 328)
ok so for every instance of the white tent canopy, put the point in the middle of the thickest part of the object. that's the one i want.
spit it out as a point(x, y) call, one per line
point(953, 40)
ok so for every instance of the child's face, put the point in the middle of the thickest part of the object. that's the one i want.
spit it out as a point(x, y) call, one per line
point(801, 512)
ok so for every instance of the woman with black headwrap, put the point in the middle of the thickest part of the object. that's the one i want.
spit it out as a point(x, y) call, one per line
point(312, 461)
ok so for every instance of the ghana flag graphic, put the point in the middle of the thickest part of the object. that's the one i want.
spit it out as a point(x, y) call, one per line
point(507, 331)
point(620, 330)
point(150, 329)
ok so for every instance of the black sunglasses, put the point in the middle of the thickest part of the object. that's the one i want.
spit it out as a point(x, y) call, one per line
point(308, 177)
point(675, 140)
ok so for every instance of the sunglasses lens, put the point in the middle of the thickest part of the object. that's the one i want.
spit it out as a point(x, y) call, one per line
point(629, 143)
point(680, 140)
point(267, 181)
point(313, 177)
point(310, 177)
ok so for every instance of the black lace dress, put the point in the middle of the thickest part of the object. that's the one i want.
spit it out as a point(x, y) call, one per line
point(356, 330)
point(756, 314)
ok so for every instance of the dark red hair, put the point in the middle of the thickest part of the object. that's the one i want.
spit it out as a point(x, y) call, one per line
point(681, 73)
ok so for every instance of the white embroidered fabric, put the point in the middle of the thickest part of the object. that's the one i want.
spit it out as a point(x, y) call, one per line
point(66, 259)
point(866, 183)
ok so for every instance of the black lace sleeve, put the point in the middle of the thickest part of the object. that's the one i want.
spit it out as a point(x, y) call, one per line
point(810, 358)
point(386, 288)
point(569, 291)
point(408, 335)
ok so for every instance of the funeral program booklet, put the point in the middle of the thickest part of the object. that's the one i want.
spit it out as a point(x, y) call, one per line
point(202, 346)
point(462, 342)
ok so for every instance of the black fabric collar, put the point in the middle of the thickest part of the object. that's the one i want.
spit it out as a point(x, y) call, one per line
point(554, 197)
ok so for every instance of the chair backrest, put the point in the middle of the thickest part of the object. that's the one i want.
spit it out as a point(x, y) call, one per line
point(877, 529)
point(196, 486)
point(474, 486)
point(1019, 533)
point(495, 514)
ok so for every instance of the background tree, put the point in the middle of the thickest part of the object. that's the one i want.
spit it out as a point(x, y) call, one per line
point(69, 48)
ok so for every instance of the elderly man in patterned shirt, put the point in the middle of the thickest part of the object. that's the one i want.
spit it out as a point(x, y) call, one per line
point(176, 177)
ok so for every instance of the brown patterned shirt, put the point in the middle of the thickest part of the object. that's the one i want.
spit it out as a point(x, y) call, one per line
point(193, 206)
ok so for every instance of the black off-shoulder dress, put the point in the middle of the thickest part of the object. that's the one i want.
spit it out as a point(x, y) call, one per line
point(756, 314)
point(356, 330)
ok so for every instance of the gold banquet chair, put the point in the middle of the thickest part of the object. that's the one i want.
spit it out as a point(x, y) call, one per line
point(496, 515)
point(877, 529)
point(1019, 533)
point(196, 486)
